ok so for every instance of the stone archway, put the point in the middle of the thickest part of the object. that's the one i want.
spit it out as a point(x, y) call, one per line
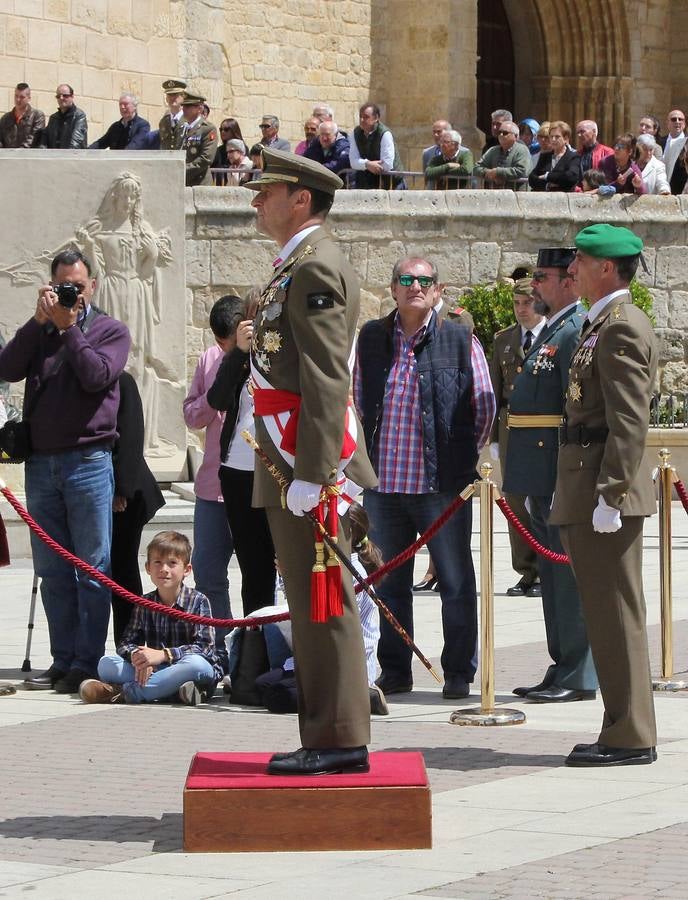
point(572, 61)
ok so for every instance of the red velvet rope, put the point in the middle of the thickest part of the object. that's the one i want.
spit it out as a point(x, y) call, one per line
point(682, 495)
point(410, 551)
point(122, 592)
point(513, 519)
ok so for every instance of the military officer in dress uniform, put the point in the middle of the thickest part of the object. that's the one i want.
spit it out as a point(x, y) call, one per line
point(200, 141)
point(533, 420)
point(171, 126)
point(302, 342)
point(510, 346)
point(604, 490)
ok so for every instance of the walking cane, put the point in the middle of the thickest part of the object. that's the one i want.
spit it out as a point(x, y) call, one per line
point(26, 665)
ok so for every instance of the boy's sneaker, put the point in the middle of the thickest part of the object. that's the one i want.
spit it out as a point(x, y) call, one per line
point(378, 704)
point(94, 691)
point(189, 694)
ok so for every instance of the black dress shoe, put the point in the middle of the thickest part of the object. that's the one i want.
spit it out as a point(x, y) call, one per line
point(321, 762)
point(45, 681)
point(524, 691)
point(428, 584)
point(556, 694)
point(71, 682)
point(535, 590)
point(520, 589)
point(391, 685)
point(602, 755)
point(455, 688)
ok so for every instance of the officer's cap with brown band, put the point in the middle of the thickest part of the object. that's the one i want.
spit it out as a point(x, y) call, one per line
point(555, 257)
point(192, 100)
point(280, 167)
point(173, 86)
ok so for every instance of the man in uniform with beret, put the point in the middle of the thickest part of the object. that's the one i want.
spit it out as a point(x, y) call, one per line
point(510, 347)
point(300, 376)
point(534, 416)
point(171, 127)
point(604, 490)
point(200, 141)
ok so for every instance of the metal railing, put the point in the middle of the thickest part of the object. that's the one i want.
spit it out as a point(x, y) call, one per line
point(669, 411)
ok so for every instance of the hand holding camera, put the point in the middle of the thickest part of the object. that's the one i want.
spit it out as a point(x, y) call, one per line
point(58, 304)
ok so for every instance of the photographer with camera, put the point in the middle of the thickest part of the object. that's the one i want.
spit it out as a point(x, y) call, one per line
point(71, 355)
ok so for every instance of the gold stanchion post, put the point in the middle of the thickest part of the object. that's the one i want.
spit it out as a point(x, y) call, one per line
point(666, 475)
point(487, 714)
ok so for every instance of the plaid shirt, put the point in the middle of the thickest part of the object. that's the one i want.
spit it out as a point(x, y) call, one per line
point(156, 630)
point(399, 461)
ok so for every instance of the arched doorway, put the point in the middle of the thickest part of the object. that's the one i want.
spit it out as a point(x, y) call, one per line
point(495, 70)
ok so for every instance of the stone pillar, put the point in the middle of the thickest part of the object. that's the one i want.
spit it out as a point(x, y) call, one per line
point(424, 62)
point(603, 99)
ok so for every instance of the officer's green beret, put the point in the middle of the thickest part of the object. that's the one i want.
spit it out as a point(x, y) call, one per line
point(608, 241)
point(280, 167)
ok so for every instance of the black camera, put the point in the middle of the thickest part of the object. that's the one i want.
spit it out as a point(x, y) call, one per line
point(67, 294)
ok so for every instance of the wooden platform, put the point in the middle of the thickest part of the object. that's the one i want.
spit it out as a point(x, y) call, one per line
point(232, 805)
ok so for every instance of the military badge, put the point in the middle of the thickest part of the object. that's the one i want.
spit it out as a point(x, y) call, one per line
point(272, 341)
point(272, 311)
point(262, 360)
point(575, 392)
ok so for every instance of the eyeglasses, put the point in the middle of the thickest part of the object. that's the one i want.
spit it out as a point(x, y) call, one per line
point(264, 125)
point(505, 132)
point(541, 276)
point(424, 281)
point(622, 147)
point(58, 96)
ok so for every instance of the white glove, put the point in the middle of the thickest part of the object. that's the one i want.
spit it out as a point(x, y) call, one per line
point(302, 496)
point(605, 519)
point(494, 451)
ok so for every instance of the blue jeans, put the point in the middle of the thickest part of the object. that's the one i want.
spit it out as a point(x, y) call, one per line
point(395, 522)
point(70, 496)
point(212, 552)
point(165, 680)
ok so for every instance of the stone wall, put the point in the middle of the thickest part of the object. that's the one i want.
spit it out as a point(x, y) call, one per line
point(475, 236)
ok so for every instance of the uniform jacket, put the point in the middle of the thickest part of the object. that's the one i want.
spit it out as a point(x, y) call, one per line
point(25, 133)
point(171, 136)
point(445, 378)
point(610, 386)
point(505, 364)
point(121, 136)
point(563, 177)
point(200, 143)
point(531, 453)
point(66, 131)
point(303, 337)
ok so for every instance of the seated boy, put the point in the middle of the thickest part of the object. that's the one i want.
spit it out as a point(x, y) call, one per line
point(161, 658)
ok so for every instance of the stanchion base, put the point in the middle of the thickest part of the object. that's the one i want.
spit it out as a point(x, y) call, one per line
point(479, 716)
point(26, 665)
point(669, 684)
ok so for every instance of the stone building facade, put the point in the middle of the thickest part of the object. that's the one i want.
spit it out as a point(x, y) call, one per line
point(613, 60)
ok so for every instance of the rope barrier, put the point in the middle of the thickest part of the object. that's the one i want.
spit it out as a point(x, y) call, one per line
point(682, 494)
point(513, 519)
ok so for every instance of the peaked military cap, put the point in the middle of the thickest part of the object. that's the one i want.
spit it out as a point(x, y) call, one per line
point(608, 241)
point(280, 167)
point(556, 257)
point(173, 86)
point(192, 99)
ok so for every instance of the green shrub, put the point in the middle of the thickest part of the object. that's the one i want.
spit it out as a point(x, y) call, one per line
point(491, 306)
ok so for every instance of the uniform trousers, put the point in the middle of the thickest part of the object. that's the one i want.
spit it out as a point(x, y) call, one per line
point(331, 680)
point(608, 570)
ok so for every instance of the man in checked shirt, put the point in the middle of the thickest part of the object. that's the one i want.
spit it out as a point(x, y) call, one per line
point(422, 389)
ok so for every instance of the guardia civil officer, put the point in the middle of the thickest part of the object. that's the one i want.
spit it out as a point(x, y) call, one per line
point(604, 490)
point(534, 415)
point(303, 337)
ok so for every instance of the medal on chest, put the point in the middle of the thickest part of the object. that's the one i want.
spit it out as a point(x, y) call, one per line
point(575, 392)
point(544, 360)
point(583, 356)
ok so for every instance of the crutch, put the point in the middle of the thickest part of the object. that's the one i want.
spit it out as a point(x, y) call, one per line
point(26, 665)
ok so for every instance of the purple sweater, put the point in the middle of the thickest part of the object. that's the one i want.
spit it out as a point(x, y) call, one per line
point(79, 403)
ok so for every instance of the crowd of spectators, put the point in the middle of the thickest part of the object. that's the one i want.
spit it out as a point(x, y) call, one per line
point(519, 155)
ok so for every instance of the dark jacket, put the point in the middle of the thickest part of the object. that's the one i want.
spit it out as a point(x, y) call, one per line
point(563, 177)
point(445, 376)
point(679, 176)
point(121, 136)
point(223, 394)
point(369, 146)
point(66, 131)
point(336, 160)
point(25, 133)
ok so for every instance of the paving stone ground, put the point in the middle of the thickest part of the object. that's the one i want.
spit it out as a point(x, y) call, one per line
point(91, 796)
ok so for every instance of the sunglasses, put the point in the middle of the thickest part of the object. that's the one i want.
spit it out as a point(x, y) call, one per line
point(541, 276)
point(58, 96)
point(264, 125)
point(678, 119)
point(423, 280)
point(225, 128)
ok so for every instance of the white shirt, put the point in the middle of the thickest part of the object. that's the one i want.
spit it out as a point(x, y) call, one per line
point(601, 304)
point(293, 243)
point(562, 312)
point(386, 154)
point(535, 331)
point(239, 454)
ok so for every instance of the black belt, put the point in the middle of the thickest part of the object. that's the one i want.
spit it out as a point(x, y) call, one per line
point(582, 435)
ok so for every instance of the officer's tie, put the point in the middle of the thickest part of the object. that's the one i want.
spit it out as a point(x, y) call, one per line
point(528, 343)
